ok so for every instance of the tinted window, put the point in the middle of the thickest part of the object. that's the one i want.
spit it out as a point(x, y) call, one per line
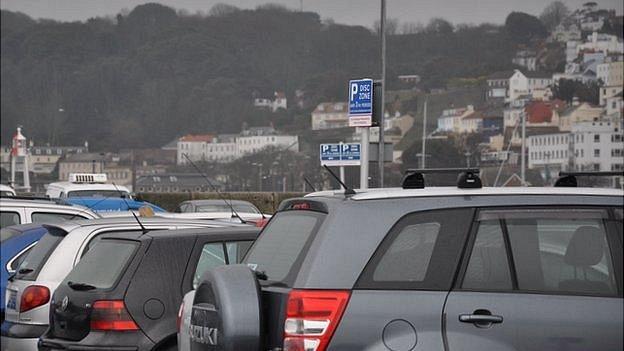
point(98, 193)
point(50, 217)
point(103, 264)
point(420, 252)
point(563, 251)
point(225, 208)
point(9, 218)
point(488, 267)
point(6, 233)
point(280, 247)
point(212, 255)
point(39, 254)
point(18, 260)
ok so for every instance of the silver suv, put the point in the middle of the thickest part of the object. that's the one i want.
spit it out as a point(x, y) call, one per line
point(15, 210)
point(466, 268)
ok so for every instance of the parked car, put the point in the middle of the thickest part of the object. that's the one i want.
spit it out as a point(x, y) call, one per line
point(425, 269)
point(239, 206)
point(125, 273)
point(15, 243)
point(25, 210)
point(49, 262)
point(6, 191)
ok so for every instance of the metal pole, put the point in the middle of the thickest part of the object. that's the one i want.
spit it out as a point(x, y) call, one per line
point(342, 177)
point(365, 158)
point(424, 136)
point(522, 152)
point(382, 138)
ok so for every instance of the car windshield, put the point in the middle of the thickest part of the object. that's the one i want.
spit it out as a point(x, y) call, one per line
point(98, 193)
point(103, 264)
point(240, 208)
point(37, 257)
point(283, 243)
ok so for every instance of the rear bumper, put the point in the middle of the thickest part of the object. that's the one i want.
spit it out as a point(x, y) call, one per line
point(99, 341)
point(16, 344)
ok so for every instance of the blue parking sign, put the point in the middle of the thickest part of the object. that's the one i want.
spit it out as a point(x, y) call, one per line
point(360, 102)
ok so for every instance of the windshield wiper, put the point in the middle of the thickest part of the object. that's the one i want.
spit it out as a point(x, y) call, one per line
point(25, 270)
point(80, 286)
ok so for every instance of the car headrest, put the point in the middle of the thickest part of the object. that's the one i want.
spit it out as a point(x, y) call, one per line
point(585, 248)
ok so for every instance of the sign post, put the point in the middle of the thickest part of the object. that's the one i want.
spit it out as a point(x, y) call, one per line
point(361, 115)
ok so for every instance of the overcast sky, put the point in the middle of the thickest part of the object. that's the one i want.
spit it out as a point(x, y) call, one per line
point(363, 12)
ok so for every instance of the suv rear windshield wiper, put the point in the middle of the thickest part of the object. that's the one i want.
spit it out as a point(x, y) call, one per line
point(25, 270)
point(81, 286)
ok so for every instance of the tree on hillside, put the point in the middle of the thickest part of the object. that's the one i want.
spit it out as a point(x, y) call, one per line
point(554, 14)
point(221, 9)
point(567, 90)
point(439, 26)
point(524, 28)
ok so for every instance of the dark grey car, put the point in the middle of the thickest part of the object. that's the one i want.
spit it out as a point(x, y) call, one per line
point(425, 269)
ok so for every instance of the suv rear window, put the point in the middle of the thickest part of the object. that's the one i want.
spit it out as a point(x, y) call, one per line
point(37, 257)
point(279, 250)
point(103, 264)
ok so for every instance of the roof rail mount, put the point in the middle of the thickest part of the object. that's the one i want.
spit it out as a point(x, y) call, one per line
point(467, 178)
point(568, 179)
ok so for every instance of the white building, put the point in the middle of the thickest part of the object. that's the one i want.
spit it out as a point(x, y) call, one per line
point(527, 83)
point(563, 33)
point(451, 119)
point(279, 102)
point(611, 73)
point(329, 115)
point(605, 43)
point(526, 59)
point(609, 91)
point(229, 147)
point(594, 146)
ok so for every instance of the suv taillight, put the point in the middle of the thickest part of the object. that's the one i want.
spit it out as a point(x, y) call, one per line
point(111, 315)
point(312, 317)
point(179, 319)
point(34, 296)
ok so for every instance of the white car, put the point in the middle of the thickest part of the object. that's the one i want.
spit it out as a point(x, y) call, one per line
point(15, 211)
point(57, 252)
point(6, 190)
point(86, 185)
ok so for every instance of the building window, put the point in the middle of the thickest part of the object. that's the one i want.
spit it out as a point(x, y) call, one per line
point(596, 152)
point(596, 138)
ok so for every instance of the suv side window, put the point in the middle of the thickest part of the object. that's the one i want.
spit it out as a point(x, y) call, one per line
point(562, 251)
point(8, 218)
point(52, 217)
point(421, 251)
point(212, 255)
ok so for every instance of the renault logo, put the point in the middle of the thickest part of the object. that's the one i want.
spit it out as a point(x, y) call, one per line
point(64, 303)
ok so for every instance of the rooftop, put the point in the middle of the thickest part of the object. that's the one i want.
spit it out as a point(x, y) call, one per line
point(390, 193)
point(197, 138)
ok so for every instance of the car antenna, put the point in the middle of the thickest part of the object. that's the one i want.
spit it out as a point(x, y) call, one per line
point(214, 188)
point(133, 214)
point(309, 184)
point(348, 191)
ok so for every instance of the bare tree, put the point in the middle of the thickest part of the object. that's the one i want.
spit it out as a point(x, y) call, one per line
point(392, 26)
point(221, 9)
point(553, 14)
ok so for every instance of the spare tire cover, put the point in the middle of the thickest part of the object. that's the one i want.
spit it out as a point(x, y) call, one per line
point(226, 311)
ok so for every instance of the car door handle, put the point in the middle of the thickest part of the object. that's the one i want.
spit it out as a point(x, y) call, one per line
point(480, 318)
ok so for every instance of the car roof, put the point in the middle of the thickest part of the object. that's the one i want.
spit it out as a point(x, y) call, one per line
point(24, 227)
point(394, 193)
point(69, 186)
point(218, 202)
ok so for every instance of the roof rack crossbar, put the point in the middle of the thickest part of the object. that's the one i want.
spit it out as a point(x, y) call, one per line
point(468, 178)
point(568, 179)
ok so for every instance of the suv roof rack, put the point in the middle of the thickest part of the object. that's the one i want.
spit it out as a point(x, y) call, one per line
point(568, 179)
point(467, 178)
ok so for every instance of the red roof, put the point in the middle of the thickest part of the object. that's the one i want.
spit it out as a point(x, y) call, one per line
point(198, 137)
point(541, 111)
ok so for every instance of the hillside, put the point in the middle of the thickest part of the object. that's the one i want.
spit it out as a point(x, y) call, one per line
point(143, 78)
